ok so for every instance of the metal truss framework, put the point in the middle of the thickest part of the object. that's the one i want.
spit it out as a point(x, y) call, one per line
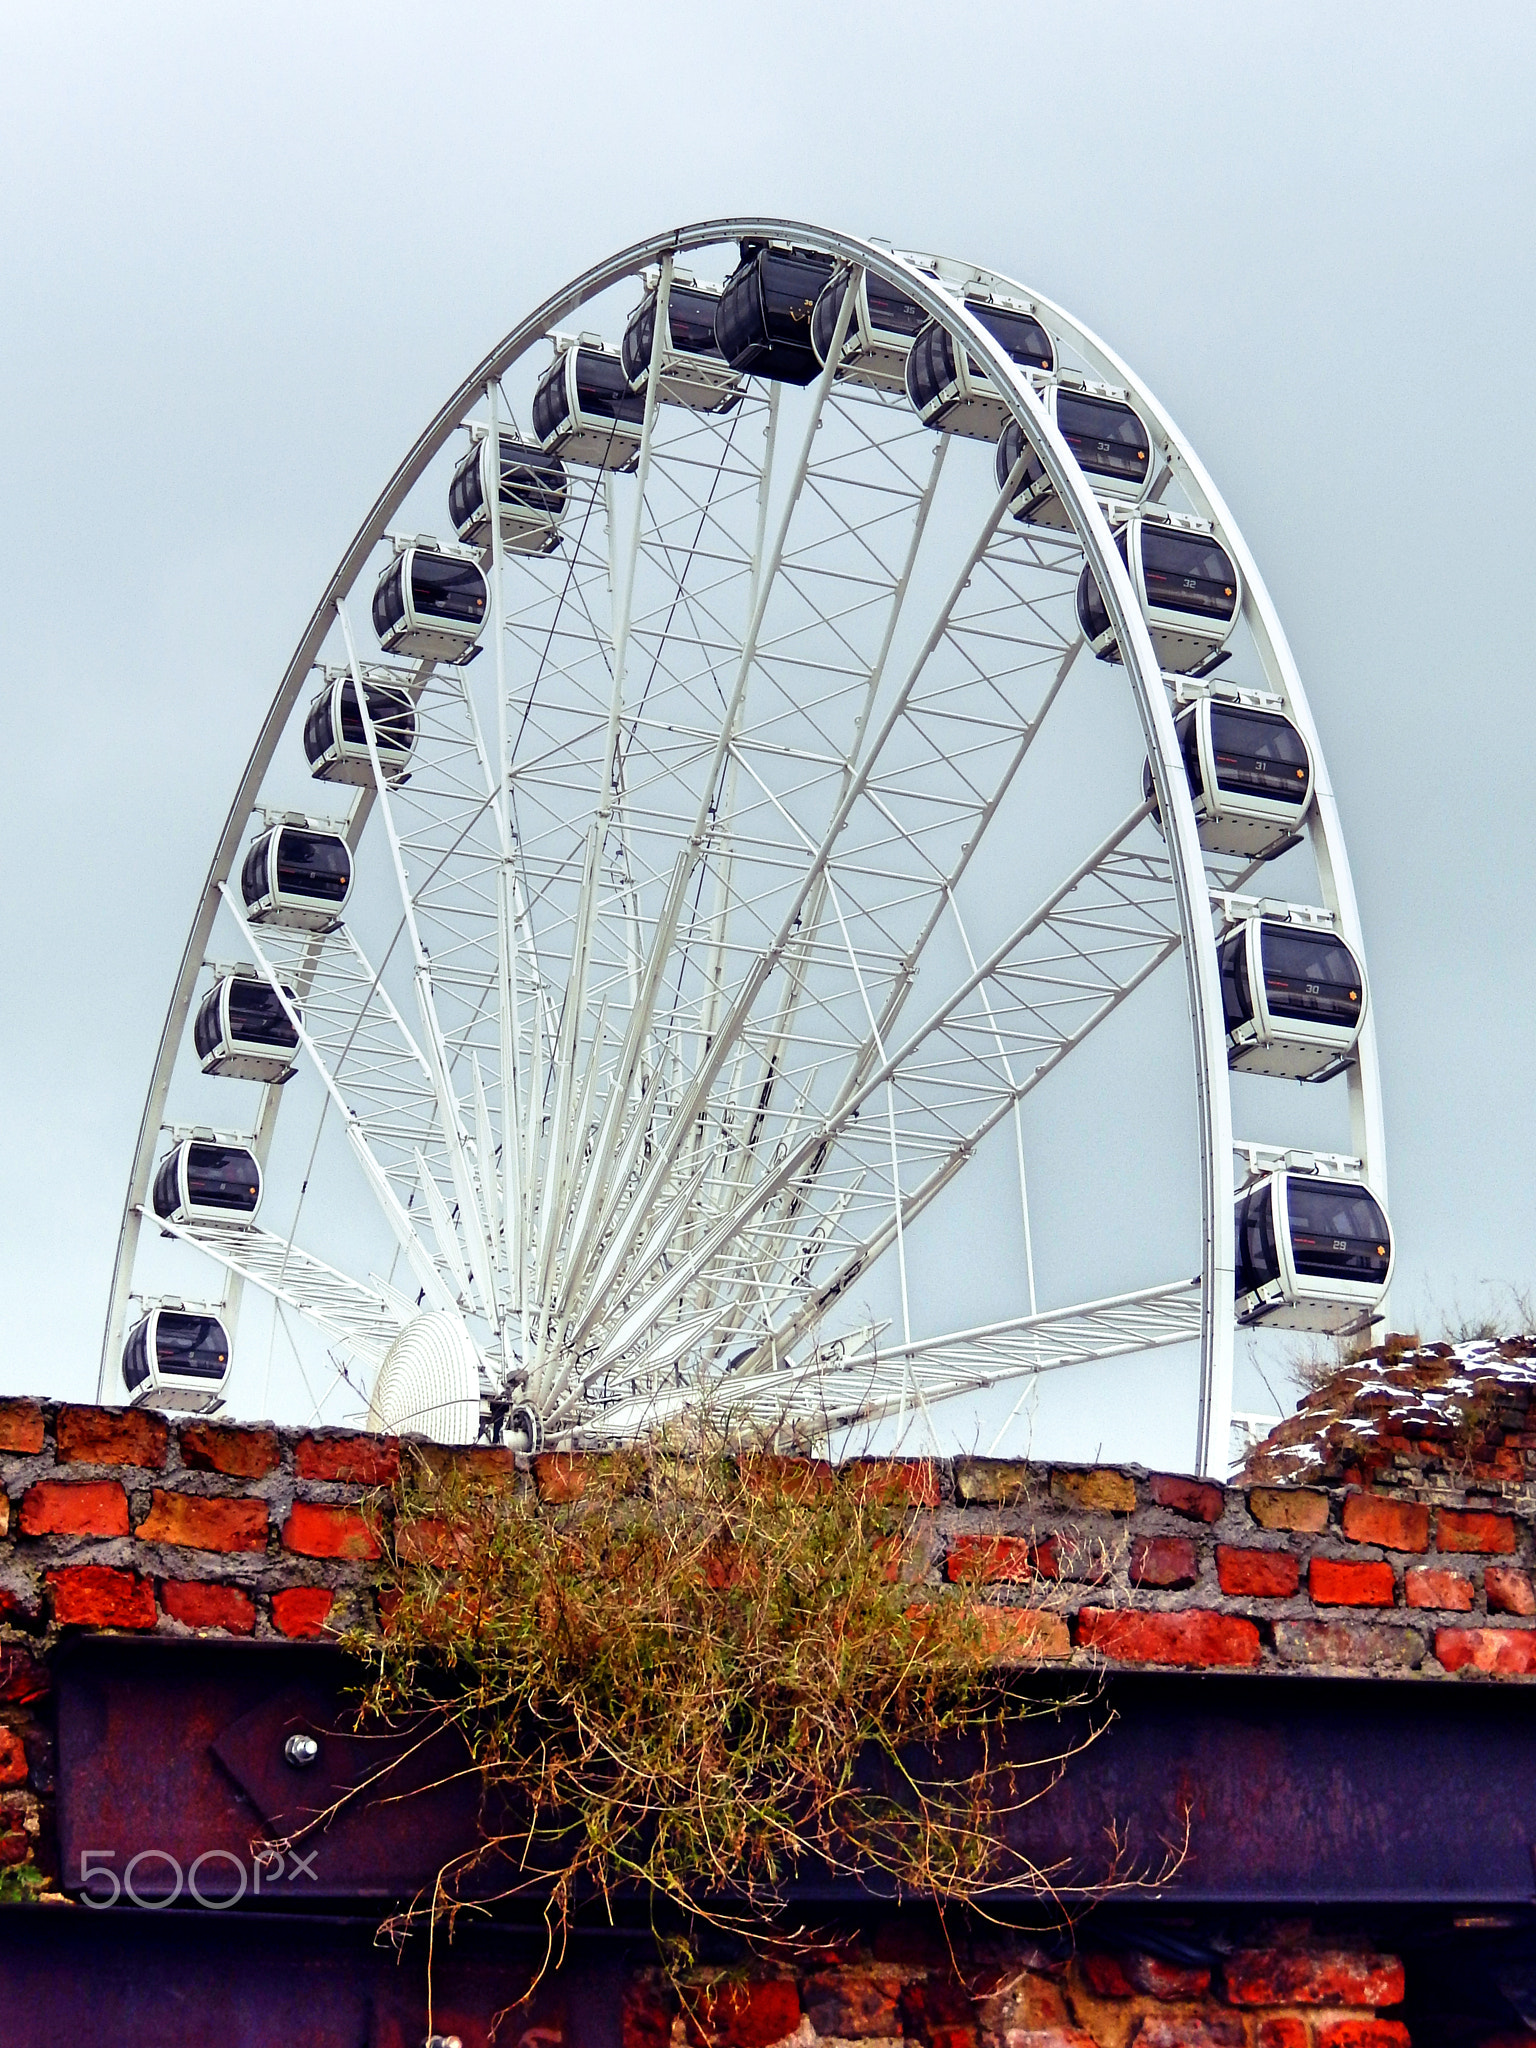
point(682, 1015)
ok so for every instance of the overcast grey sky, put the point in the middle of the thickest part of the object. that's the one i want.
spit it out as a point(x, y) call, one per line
point(244, 253)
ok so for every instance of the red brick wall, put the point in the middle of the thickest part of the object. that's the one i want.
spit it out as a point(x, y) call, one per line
point(125, 1521)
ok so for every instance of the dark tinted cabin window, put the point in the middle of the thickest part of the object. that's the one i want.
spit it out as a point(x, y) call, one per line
point(1260, 753)
point(1011, 445)
point(207, 1030)
point(312, 865)
point(1309, 974)
point(551, 407)
point(639, 337)
point(739, 317)
point(602, 389)
point(317, 729)
point(1236, 996)
point(394, 719)
point(193, 1346)
point(531, 478)
point(1258, 1262)
point(465, 497)
point(691, 321)
point(253, 872)
point(791, 286)
point(442, 588)
point(167, 1196)
point(1187, 572)
point(257, 1017)
point(222, 1177)
point(931, 366)
point(389, 600)
point(824, 319)
point(1092, 612)
point(1188, 730)
point(890, 310)
point(136, 1357)
point(1337, 1231)
point(1024, 338)
point(1107, 438)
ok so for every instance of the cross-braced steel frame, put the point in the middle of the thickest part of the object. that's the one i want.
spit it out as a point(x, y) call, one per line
point(680, 1022)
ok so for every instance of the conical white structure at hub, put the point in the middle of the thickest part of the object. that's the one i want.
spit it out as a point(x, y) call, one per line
point(429, 1383)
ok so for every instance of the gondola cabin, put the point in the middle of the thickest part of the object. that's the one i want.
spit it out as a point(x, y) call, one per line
point(1105, 433)
point(430, 606)
point(204, 1182)
point(763, 321)
point(1312, 1254)
point(1188, 587)
point(951, 392)
point(530, 491)
point(883, 323)
point(1294, 998)
point(584, 409)
point(690, 369)
point(337, 744)
point(296, 877)
point(177, 1358)
point(242, 1031)
point(1250, 774)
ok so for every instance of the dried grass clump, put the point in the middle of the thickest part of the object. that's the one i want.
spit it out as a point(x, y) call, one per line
point(701, 1676)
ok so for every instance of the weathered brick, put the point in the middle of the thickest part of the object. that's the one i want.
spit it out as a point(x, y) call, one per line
point(1013, 2001)
point(1338, 1582)
point(1023, 1635)
point(1289, 1507)
point(1195, 1637)
point(5, 1513)
point(990, 1482)
point(199, 1603)
point(1312, 1976)
point(237, 1453)
point(911, 1482)
point(770, 1477)
point(1500, 1652)
point(1283, 2030)
point(738, 2013)
point(938, 2012)
point(1166, 1561)
point(110, 1436)
point(1000, 1560)
point(561, 1476)
point(301, 1610)
point(92, 1507)
point(13, 1758)
point(1426, 1585)
point(1466, 1529)
point(21, 1428)
point(97, 1596)
point(355, 1460)
point(645, 2017)
point(204, 1522)
point(1509, 1591)
point(316, 1531)
point(1351, 2031)
point(1098, 1490)
point(854, 2005)
point(1196, 1498)
point(1189, 2030)
point(22, 1678)
point(1129, 1971)
point(1352, 1645)
point(1256, 1574)
point(1392, 1524)
point(473, 1461)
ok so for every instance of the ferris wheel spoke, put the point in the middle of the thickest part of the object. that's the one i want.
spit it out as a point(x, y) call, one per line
point(367, 1319)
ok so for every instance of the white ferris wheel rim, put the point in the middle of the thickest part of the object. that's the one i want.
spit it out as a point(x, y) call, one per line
point(1187, 867)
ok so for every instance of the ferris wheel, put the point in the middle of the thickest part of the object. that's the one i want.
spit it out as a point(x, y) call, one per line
point(780, 715)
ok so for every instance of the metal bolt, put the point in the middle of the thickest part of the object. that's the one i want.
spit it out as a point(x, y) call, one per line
point(301, 1751)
